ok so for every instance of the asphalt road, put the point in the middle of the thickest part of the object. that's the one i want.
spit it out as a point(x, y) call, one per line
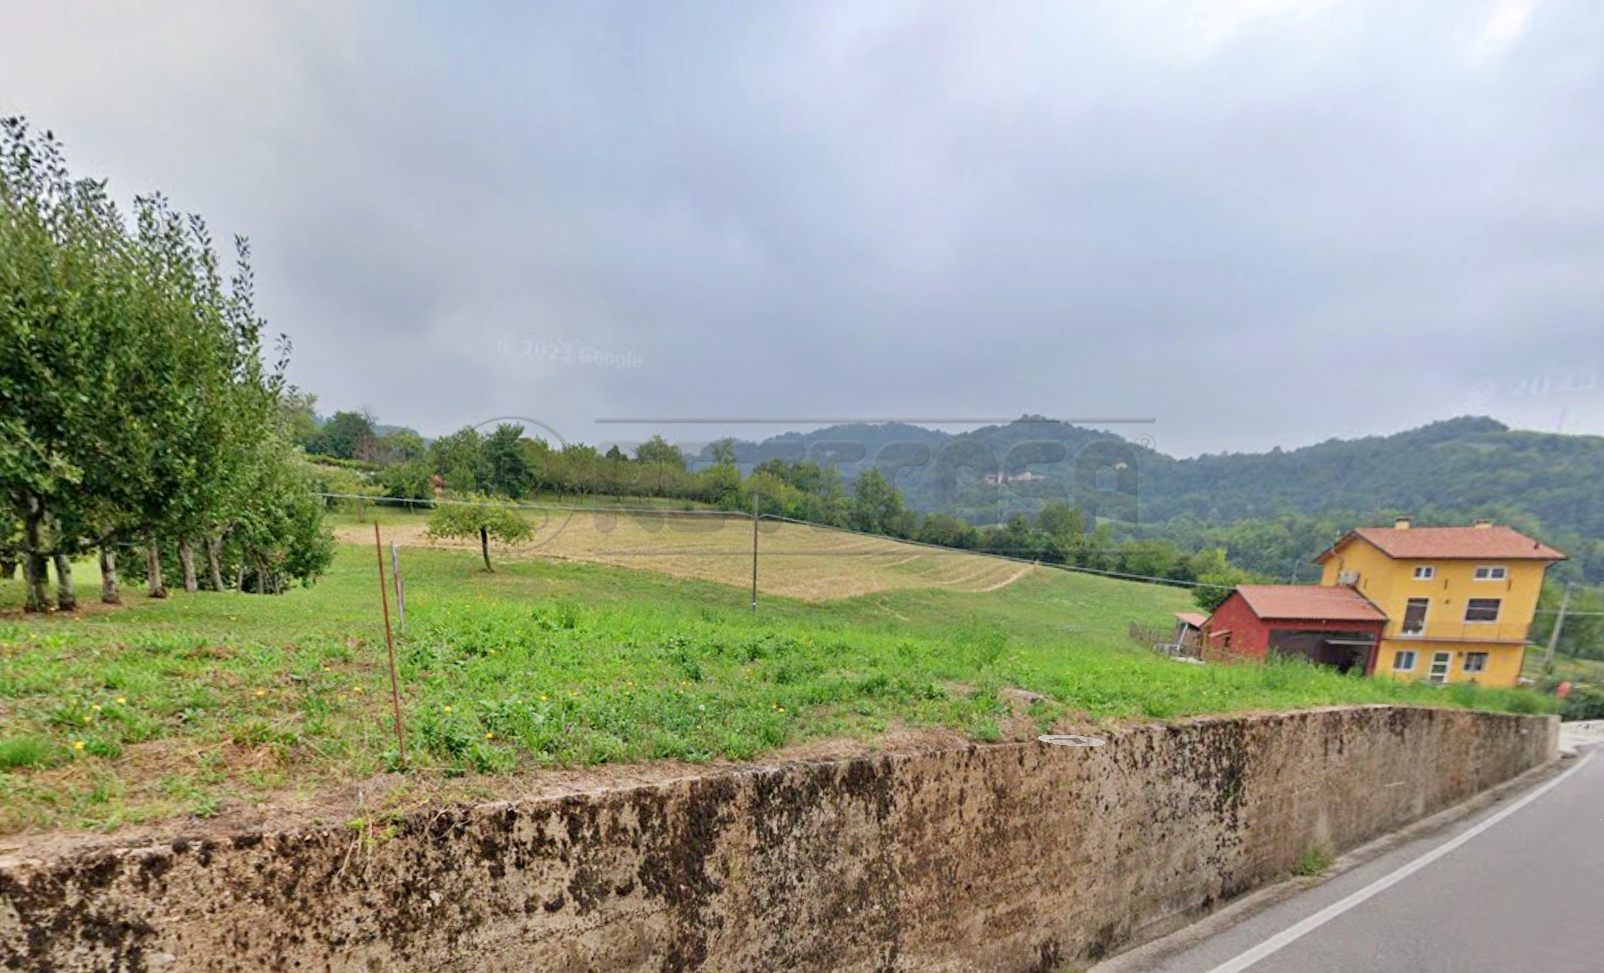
point(1516, 887)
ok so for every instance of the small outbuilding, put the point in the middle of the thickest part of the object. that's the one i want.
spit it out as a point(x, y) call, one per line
point(1329, 625)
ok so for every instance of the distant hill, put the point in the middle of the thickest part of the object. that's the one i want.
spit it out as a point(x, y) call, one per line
point(1474, 465)
point(1447, 472)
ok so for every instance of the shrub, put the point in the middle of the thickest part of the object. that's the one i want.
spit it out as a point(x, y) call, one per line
point(1584, 703)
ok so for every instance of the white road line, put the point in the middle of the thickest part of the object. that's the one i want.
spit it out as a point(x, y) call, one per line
point(1293, 933)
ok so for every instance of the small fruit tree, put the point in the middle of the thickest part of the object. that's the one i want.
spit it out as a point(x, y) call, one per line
point(481, 516)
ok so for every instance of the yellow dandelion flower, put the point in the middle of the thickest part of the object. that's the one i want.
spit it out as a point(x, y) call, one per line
point(77, 744)
point(261, 692)
point(122, 700)
point(446, 708)
point(86, 719)
point(542, 699)
point(95, 707)
point(490, 736)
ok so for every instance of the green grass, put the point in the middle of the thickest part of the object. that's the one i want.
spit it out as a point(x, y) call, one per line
point(202, 702)
point(1315, 861)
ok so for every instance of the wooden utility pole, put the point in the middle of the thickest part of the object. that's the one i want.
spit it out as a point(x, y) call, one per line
point(1559, 623)
point(754, 551)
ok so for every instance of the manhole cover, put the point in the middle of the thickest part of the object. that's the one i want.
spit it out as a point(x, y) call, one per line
point(1061, 740)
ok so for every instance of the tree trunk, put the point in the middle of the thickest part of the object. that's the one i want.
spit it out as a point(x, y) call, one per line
point(484, 547)
point(214, 561)
point(8, 569)
point(153, 571)
point(35, 576)
point(34, 571)
point(108, 575)
point(66, 591)
point(186, 558)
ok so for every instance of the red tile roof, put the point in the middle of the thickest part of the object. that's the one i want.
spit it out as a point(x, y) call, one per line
point(1451, 543)
point(1194, 619)
point(1310, 602)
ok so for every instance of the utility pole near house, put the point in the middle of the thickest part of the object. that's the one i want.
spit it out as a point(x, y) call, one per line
point(1559, 623)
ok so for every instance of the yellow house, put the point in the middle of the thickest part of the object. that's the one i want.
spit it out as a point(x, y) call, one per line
point(1458, 600)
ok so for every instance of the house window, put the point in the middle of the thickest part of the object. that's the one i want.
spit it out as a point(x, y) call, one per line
point(1425, 572)
point(1491, 572)
point(1481, 610)
point(1475, 662)
point(1403, 661)
point(1414, 620)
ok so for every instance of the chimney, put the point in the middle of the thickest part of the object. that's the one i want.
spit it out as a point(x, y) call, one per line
point(1482, 524)
point(1402, 523)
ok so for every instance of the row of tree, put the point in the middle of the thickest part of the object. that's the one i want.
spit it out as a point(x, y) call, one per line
point(136, 409)
point(507, 463)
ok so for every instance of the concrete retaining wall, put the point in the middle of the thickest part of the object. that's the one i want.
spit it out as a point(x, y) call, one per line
point(1008, 857)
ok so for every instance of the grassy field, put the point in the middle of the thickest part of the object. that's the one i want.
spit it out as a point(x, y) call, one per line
point(797, 561)
point(203, 704)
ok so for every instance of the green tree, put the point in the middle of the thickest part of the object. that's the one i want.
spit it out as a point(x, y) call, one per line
point(482, 517)
point(1582, 635)
point(399, 446)
point(300, 417)
point(458, 460)
point(346, 435)
point(659, 451)
point(135, 399)
point(948, 531)
point(506, 467)
point(877, 506)
point(1216, 580)
point(1060, 520)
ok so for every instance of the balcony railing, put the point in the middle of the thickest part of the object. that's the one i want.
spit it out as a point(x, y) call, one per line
point(1463, 632)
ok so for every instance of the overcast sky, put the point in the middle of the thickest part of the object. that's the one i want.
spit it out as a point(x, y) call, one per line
point(1259, 222)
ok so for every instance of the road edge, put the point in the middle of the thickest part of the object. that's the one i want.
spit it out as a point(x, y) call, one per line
point(1156, 951)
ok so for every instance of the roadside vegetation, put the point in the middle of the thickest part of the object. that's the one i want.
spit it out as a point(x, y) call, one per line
point(201, 703)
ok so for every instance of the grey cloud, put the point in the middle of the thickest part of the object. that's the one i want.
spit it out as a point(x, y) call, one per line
point(1261, 222)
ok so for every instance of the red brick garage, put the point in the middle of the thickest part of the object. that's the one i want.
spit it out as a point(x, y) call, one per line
point(1334, 626)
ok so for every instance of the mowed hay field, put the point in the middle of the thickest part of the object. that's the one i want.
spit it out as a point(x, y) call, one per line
point(815, 564)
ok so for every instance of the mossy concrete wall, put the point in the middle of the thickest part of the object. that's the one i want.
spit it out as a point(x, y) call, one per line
point(1007, 857)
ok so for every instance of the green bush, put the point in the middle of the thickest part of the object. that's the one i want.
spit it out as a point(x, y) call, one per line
point(1584, 703)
